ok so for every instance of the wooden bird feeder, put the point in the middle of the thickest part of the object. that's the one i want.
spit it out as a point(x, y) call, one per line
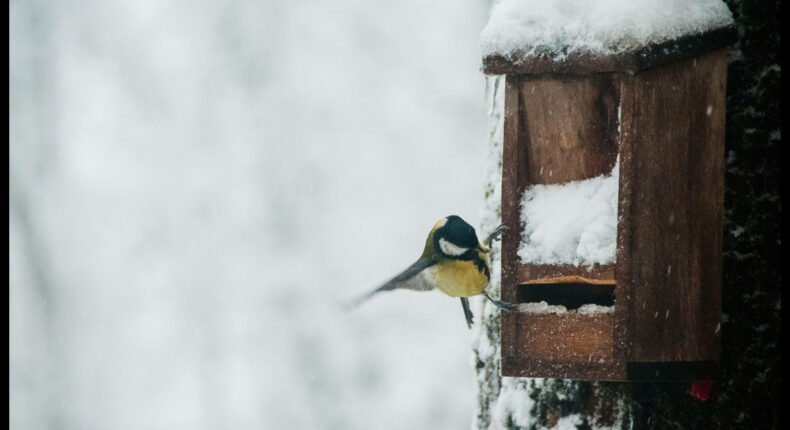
point(660, 111)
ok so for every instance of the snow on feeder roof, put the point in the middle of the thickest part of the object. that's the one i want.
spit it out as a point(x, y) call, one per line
point(584, 36)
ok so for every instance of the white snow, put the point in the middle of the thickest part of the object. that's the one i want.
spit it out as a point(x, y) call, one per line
point(513, 404)
point(557, 28)
point(541, 308)
point(485, 342)
point(568, 422)
point(571, 223)
point(593, 309)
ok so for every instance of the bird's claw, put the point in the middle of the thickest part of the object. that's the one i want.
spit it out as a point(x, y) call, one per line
point(499, 303)
point(503, 305)
point(495, 234)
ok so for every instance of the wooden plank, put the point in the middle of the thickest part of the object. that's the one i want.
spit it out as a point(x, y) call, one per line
point(565, 345)
point(579, 370)
point(565, 337)
point(675, 211)
point(632, 61)
point(555, 131)
point(613, 370)
point(512, 163)
point(622, 298)
point(570, 280)
point(569, 127)
point(564, 273)
point(572, 64)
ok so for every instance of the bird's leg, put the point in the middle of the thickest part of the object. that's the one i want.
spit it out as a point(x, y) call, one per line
point(467, 311)
point(499, 303)
point(494, 235)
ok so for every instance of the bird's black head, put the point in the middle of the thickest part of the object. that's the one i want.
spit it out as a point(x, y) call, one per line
point(455, 239)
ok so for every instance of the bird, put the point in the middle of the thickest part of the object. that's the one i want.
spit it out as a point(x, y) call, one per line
point(453, 261)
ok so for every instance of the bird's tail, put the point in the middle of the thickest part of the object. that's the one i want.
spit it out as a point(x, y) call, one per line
point(407, 279)
point(352, 303)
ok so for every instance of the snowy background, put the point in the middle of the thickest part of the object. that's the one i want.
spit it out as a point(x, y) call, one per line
point(196, 186)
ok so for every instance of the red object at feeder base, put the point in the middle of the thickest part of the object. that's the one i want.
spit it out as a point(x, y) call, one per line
point(701, 389)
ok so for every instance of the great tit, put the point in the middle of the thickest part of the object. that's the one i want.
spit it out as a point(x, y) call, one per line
point(453, 261)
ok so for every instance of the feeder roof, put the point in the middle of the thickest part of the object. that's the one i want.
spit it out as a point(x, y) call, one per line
point(585, 36)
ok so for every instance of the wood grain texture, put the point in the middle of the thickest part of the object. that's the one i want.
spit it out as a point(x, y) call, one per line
point(555, 131)
point(622, 298)
point(574, 279)
point(630, 61)
point(547, 273)
point(667, 292)
point(513, 163)
point(675, 184)
point(568, 336)
point(569, 125)
point(580, 370)
point(565, 345)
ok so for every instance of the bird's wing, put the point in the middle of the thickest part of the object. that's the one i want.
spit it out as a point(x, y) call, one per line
point(409, 279)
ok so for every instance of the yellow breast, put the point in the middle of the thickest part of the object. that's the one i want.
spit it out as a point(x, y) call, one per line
point(458, 278)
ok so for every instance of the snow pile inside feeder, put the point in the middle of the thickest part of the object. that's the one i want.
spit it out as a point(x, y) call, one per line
point(525, 28)
point(593, 309)
point(571, 223)
point(544, 308)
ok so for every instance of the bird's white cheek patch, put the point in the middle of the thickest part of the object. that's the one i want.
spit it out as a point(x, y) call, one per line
point(450, 248)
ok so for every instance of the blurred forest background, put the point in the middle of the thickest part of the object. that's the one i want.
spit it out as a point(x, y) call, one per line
point(196, 187)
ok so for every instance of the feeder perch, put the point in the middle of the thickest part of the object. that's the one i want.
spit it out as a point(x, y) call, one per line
point(656, 114)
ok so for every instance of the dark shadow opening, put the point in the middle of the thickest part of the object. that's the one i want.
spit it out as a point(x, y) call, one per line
point(570, 295)
point(672, 371)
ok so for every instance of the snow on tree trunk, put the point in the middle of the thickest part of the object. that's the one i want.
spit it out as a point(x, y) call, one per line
point(501, 402)
point(486, 333)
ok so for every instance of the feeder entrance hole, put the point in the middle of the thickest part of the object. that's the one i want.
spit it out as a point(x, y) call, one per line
point(572, 295)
